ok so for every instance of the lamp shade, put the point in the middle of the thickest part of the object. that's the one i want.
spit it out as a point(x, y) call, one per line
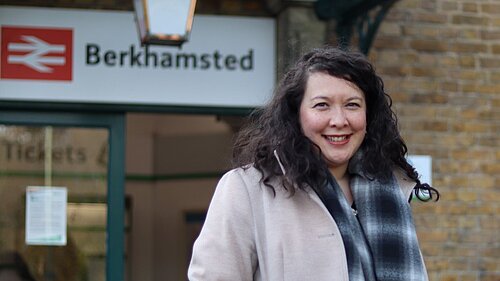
point(164, 22)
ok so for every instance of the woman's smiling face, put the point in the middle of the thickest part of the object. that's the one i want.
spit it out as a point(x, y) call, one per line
point(333, 116)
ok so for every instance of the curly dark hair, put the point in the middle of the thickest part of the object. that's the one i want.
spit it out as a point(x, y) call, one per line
point(275, 128)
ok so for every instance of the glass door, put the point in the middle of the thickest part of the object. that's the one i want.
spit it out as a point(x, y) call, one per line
point(61, 192)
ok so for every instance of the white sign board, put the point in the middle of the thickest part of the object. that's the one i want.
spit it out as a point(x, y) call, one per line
point(64, 55)
point(46, 215)
point(423, 165)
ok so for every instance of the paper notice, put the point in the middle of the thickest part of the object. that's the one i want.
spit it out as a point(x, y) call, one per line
point(46, 215)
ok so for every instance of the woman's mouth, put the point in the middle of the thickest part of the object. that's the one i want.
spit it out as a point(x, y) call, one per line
point(338, 139)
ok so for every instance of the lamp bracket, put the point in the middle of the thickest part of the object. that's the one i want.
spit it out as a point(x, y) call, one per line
point(364, 15)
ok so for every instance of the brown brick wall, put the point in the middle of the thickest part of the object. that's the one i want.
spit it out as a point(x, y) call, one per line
point(440, 60)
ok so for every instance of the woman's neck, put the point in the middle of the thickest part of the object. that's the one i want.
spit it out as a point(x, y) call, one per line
point(339, 172)
point(342, 177)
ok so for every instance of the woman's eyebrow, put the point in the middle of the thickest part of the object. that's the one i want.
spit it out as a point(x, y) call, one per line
point(319, 97)
point(355, 98)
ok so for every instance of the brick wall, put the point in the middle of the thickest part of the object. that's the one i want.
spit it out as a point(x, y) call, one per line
point(440, 60)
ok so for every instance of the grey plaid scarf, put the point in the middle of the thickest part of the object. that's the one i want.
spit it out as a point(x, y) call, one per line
point(380, 241)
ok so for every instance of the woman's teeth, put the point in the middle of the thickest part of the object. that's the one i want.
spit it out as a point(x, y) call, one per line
point(336, 139)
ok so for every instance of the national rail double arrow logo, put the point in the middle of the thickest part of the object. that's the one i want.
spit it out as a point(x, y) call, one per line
point(36, 53)
point(35, 58)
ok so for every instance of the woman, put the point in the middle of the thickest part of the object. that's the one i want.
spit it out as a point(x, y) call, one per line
point(321, 185)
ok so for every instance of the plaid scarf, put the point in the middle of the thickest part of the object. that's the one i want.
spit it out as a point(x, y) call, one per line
point(380, 240)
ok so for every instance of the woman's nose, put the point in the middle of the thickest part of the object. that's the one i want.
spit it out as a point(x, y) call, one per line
point(338, 118)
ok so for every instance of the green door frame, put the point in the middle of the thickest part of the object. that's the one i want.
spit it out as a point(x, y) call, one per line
point(115, 123)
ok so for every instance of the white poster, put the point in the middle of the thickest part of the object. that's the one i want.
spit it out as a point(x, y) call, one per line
point(46, 215)
point(64, 55)
point(423, 165)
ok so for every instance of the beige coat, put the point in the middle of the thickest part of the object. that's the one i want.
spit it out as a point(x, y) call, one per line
point(249, 234)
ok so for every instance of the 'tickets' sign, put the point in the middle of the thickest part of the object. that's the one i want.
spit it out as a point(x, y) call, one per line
point(36, 53)
point(78, 56)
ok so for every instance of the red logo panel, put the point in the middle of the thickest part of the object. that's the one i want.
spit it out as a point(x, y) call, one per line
point(36, 53)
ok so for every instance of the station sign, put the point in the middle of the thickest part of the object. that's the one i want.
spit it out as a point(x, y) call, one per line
point(83, 56)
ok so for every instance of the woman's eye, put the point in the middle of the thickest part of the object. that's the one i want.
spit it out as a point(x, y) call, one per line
point(353, 104)
point(320, 105)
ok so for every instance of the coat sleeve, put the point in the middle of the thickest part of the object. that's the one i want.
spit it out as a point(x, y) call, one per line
point(405, 183)
point(225, 249)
